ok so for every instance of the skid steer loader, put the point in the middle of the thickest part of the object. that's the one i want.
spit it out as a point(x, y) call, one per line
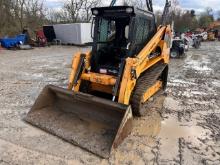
point(128, 64)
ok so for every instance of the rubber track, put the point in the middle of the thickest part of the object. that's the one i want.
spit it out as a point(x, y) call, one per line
point(146, 80)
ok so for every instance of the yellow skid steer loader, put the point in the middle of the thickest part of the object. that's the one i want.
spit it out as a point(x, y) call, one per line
point(128, 64)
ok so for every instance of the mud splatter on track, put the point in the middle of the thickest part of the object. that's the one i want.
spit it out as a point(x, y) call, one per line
point(186, 130)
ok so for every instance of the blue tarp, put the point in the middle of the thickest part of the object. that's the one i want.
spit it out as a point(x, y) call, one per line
point(13, 42)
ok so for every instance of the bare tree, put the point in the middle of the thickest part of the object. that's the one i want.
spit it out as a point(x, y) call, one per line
point(54, 16)
point(17, 14)
point(58, 16)
point(77, 10)
point(19, 11)
point(7, 24)
point(35, 13)
point(86, 9)
point(73, 8)
point(137, 3)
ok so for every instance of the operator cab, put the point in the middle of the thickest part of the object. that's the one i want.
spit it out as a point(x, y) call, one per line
point(119, 32)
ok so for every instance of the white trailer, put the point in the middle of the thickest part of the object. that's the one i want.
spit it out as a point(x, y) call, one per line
point(75, 33)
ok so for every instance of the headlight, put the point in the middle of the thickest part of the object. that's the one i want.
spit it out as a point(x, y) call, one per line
point(95, 12)
point(129, 10)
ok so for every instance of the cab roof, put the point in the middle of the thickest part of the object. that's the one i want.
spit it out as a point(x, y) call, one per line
point(121, 11)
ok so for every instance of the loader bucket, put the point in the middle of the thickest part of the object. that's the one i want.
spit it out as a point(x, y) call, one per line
point(95, 124)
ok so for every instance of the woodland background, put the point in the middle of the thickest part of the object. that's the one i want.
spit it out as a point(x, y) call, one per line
point(32, 14)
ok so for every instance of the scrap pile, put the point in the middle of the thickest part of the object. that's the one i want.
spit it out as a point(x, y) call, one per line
point(24, 41)
point(8, 43)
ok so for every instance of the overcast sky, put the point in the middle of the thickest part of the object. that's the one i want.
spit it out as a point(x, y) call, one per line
point(198, 5)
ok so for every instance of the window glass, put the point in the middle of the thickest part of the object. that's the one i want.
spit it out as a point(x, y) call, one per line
point(106, 29)
point(143, 29)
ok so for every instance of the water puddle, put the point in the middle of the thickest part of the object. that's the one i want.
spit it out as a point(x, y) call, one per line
point(172, 131)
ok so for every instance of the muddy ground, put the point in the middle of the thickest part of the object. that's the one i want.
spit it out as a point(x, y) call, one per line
point(185, 131)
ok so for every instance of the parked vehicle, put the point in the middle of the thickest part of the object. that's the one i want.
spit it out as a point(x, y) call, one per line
point(196, 42)
point(178, 48)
